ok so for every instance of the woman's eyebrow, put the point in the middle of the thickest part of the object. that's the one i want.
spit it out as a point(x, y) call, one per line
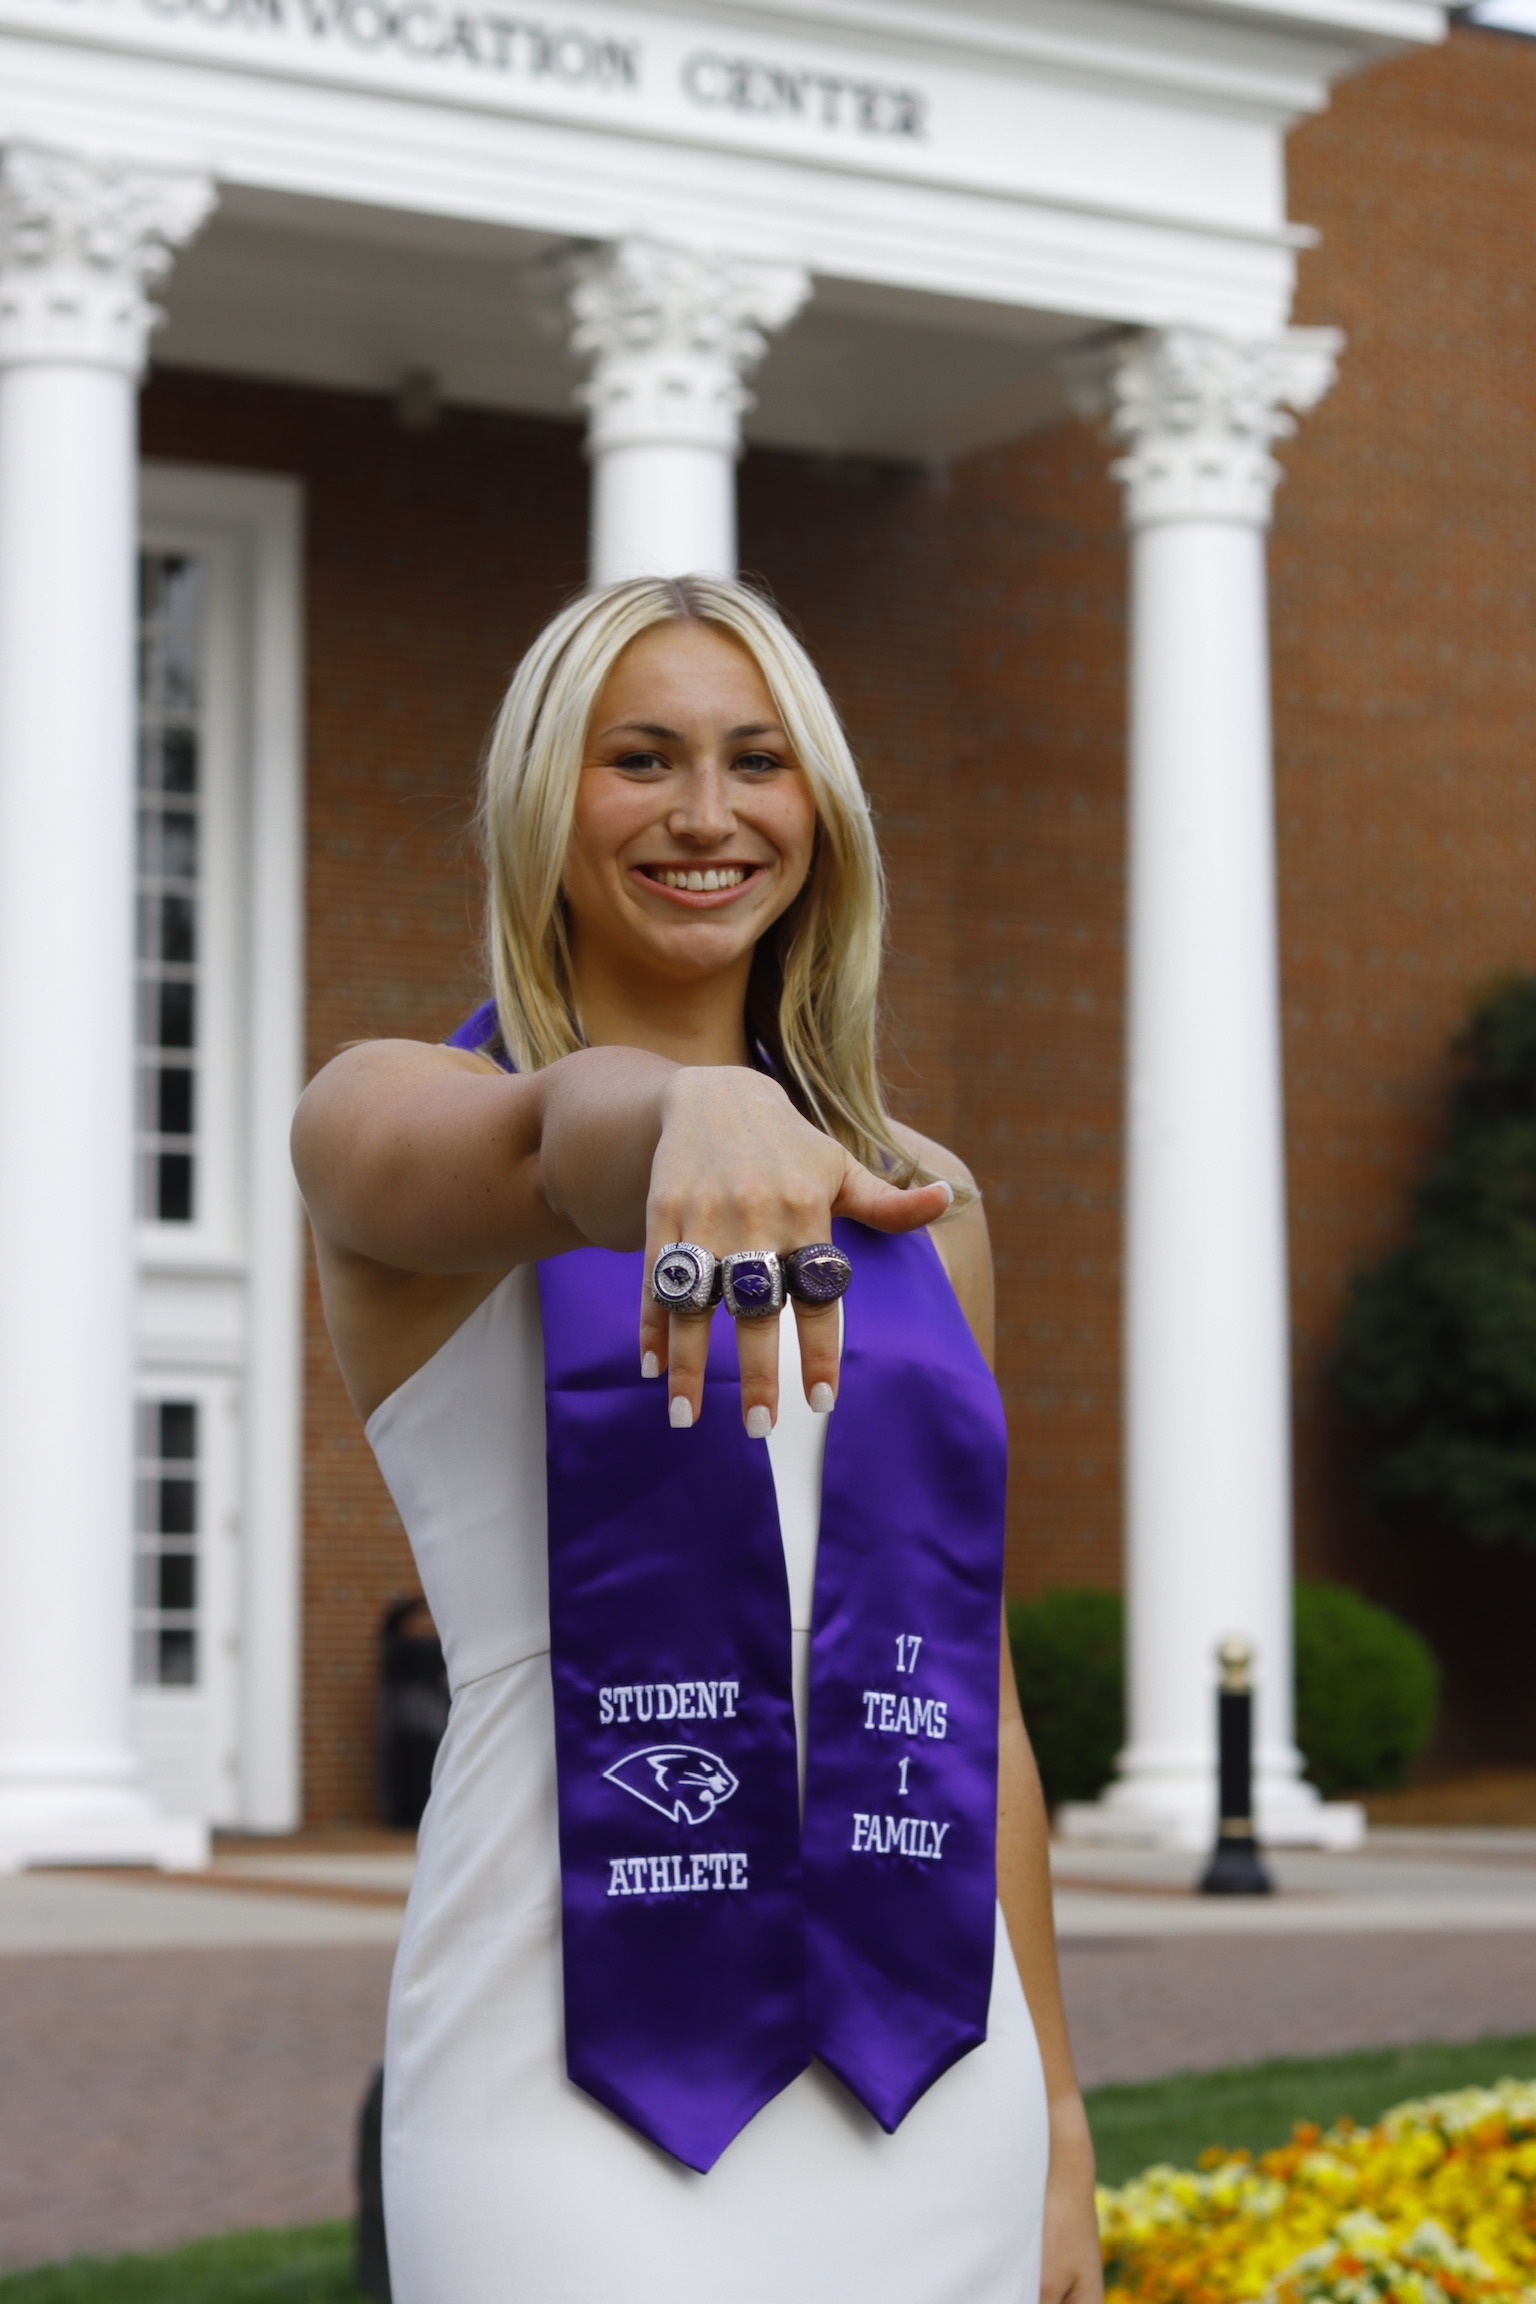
point(642, 728)
point(675, 736)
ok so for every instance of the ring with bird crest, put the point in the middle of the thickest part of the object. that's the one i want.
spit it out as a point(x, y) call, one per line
point(753, 1282)
point(685, 1277)
point(818, 1274)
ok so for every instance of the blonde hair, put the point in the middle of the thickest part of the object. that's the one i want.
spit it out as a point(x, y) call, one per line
point(814, 992)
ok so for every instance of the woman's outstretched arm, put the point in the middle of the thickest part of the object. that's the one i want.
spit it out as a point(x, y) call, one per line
point(428, 1173)
point(434, 1161)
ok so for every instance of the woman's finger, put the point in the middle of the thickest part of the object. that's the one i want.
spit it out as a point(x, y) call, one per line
point(687, 1353)
point(757, 1349)
point(821, 1351)
point(653, 1335)
point(891, 1207)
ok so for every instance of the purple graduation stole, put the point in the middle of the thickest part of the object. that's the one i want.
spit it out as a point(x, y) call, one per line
point(712, 1941)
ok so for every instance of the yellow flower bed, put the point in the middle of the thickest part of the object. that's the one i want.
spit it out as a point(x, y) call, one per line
point(1436, 2202)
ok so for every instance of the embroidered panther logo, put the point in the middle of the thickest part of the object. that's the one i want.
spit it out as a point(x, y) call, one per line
point(677, 1780)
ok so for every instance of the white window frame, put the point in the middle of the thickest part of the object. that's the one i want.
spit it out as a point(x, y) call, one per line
point(245, 1247)
point(199, 1773)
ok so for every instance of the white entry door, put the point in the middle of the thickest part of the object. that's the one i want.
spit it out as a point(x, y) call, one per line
point(218, 982)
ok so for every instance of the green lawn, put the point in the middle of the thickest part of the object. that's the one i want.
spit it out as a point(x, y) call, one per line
point(312, 2266)
point(1252, 2104)
point(1258, 2105)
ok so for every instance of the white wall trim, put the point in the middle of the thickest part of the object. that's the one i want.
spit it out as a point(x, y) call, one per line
point(267, 516)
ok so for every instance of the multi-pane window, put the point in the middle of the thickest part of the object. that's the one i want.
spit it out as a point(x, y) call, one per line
point(167, 1514)
point(171, 588)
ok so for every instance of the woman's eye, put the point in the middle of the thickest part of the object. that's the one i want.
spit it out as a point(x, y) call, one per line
point(757, 763)
point(641, 763)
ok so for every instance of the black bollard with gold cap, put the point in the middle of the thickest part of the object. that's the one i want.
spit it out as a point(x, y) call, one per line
point(1235, 1868)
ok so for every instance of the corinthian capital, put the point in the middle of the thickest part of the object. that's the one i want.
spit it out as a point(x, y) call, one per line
point(82, 242)
point(1200, 413)
point(672, 334)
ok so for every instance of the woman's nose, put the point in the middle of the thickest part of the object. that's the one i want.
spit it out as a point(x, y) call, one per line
point(701, 809)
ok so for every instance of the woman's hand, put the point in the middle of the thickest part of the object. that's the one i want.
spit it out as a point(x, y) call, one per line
point(737, 1167)
point(428, 1173)
point(1071, 2266)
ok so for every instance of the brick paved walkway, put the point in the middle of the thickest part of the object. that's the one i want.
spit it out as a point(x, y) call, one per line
point(151, 2097)
point(1143, 2006)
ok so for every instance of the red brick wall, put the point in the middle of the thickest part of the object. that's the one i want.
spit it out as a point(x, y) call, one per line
point(1039, 689)
point(972, 628)
point(1406, 702)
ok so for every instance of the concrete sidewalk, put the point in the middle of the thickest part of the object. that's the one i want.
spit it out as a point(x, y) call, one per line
point(1435, 1883)
point(1438, 1883)
point(49, 1913)
point(152, 2097)
point(1145, 2006)
point(183, 2056)
point(1420, 1935)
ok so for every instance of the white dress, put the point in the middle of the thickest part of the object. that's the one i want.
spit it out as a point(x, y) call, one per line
point(504, 2183)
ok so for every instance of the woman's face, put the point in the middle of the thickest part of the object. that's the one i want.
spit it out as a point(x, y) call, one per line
point(694, 823)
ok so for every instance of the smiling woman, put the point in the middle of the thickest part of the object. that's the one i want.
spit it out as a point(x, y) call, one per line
point(701, 706)
point(784, 1922)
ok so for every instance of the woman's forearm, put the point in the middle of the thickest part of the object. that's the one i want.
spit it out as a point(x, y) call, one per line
point(422, 1160)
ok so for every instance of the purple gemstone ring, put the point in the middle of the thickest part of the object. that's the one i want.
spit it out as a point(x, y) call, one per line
point(818, 1274)
point(753, 1281)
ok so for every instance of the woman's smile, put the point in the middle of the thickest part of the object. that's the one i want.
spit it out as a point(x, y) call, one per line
point(699, 887)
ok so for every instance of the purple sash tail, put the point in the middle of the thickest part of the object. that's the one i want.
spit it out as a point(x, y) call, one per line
point(712, 1941)
point(683, 1921)
point(899, 1842)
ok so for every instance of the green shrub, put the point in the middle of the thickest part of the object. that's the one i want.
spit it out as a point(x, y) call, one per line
point(1367, 1688)
point(1069, 1656)
point(1436, 1363)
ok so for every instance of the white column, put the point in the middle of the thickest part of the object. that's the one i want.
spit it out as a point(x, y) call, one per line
point(81, 242)
point(671, 334)
point(1207, 1391)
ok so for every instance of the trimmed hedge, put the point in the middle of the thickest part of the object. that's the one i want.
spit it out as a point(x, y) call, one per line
point(1069, 1657)
point(1367, 1689)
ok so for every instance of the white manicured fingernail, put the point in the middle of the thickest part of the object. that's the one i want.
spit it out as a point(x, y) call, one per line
point(650, 1365)
point(949, 1189)
point(681, 1413)
point(823, 1399)
point(759, 1423)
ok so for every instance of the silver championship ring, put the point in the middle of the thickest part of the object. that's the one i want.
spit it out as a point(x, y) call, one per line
point(754, 1283)
point(683, 1277)
point(818, 1274)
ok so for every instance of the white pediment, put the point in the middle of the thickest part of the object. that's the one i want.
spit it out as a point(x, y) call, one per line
point(1004, 176)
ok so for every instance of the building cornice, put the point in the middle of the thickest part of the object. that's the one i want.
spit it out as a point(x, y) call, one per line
point(1384, 24)
point(1273, 57)
point(1022, 172)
